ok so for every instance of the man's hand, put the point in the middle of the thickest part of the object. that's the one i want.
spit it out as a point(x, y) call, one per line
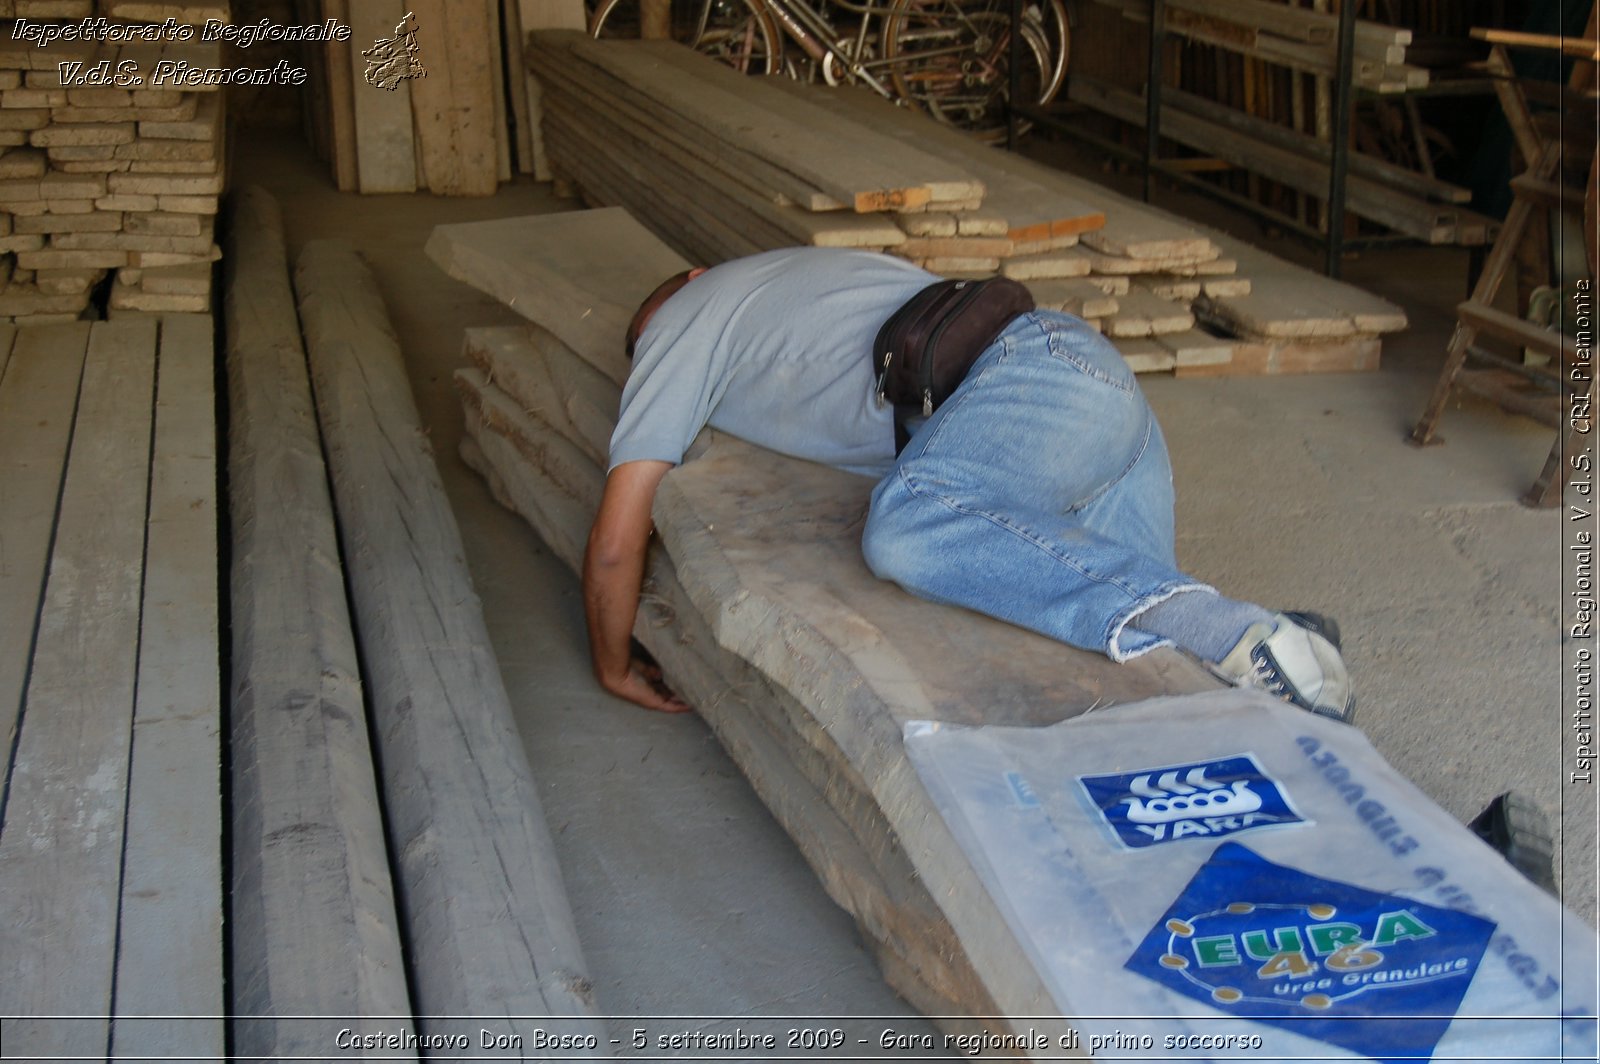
point(613, 569)
point(642, 685)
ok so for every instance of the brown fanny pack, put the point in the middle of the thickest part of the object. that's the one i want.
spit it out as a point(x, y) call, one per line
point(923, 352)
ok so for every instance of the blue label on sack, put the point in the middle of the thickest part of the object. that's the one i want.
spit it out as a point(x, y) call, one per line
point(1202, 799)
point(1324, 959)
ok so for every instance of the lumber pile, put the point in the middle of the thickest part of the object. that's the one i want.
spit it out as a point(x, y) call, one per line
point(719, 165)
point(766, 618)
point(1286, 35)
point(108, 181)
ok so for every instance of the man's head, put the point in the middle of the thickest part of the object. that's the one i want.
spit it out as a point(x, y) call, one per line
point(652, 303)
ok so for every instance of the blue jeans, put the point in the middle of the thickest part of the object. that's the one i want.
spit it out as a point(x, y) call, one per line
point(1039, 493)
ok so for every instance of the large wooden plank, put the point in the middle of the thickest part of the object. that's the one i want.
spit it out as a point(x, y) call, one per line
point(169, 938)
point(488, 925)
point(341, 102)
point(453, 106)
point(313, 930)
point(385, 145)
point(38, 394)
point(61, 843)
point(581, 274)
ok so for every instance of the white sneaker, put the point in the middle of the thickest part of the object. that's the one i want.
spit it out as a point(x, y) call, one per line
point(1293, 663)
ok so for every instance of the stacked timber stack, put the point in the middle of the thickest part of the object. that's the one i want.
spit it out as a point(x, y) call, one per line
point(766, 618)
point(720, 165)
point(1290, 36)
point(100, 178)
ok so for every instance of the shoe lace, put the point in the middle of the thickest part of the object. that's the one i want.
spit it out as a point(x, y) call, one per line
point(1268, 676)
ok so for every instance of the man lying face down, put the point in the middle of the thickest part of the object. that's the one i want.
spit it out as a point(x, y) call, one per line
point(1040, 492)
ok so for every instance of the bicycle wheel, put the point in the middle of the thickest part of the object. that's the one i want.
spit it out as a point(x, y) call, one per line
point(952, 57)
point(738, 33)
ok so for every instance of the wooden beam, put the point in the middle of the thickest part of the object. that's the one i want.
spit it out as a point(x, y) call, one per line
point(490, 932)
point(313, 928)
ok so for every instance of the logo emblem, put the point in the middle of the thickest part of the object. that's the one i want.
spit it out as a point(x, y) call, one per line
point(1206, 799)
point(1325, 959)
point(392, 60)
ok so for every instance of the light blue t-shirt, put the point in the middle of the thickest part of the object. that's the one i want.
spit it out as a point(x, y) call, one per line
point(775, 349)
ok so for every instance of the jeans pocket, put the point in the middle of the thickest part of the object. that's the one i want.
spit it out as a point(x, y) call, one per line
point(1089, 352)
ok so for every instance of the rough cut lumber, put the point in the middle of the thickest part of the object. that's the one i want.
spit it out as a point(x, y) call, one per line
point(542, 15)
point(1143, 313)
point(313, 930)
point(581, 274)
point(1032, 210)
point(806, 666)
point(38, 391)
point(171, 917)
point(385, 147)
point(488, 925)
point(453, 107)
point(61, 847)
point(836, 162)
point(341, 101)
point(947, 182)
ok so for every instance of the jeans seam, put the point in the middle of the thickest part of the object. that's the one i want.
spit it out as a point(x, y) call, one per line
point(1014, 529)
point(1144, 445)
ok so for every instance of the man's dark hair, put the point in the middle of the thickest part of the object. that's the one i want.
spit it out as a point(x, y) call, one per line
point(651, 304)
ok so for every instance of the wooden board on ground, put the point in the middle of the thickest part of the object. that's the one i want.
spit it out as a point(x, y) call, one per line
point(171, 919)
point(61, 849)
point(313, 928)
point(488, 927)
point(38, 393)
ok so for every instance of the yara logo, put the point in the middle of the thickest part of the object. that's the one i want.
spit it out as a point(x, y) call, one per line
point(1195, 796)
point(1205, 799)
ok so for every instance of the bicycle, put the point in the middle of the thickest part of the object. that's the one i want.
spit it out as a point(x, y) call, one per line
point(949, 57)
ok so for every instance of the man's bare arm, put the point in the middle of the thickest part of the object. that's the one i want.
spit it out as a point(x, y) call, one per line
point(613, 570)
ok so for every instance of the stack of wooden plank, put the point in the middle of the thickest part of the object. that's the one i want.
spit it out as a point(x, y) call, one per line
point(1290, 36)
point(766, 617)
point(653, 119)
point(720, 165)
point(102, 178)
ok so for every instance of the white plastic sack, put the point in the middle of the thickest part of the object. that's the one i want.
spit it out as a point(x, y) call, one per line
point(1222, 876)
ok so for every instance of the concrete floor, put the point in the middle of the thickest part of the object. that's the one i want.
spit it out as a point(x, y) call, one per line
point(1295, 492)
